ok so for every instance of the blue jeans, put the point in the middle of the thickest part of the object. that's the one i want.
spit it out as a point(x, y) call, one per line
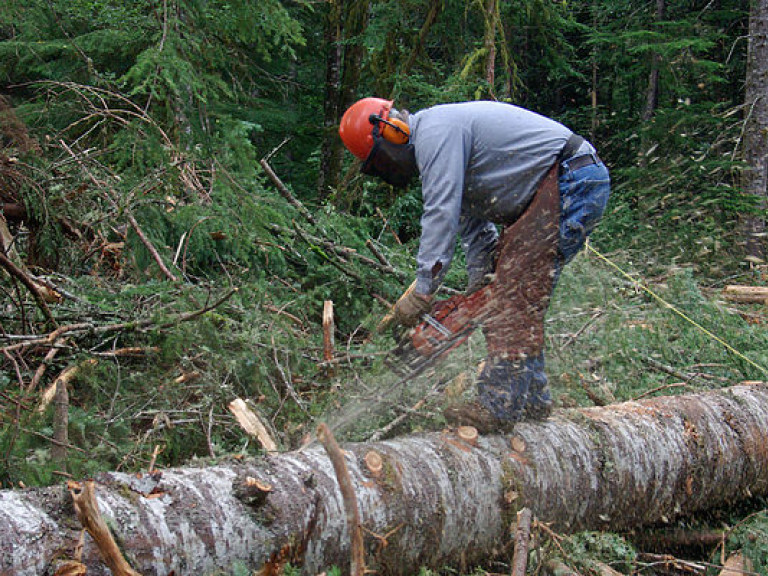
point(513, 390)
point(583, 197)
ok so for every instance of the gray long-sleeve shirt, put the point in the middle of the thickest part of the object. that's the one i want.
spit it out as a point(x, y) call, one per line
point(480, 163)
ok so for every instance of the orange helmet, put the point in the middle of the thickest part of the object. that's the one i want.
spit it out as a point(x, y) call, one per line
point(361, 119)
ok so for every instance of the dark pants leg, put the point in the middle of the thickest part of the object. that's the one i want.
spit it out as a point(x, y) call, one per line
point(532, 253)
point(514, 325)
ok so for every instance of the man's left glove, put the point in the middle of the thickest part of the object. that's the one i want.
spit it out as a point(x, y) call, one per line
point(411, 307)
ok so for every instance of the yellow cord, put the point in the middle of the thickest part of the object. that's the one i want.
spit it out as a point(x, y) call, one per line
point(671, 307)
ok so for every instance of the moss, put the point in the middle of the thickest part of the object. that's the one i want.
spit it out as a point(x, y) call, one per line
point(512, 493)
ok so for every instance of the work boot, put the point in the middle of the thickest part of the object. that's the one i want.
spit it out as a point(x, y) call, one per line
point(478, 416)
point(538, 405)
point(502, 388)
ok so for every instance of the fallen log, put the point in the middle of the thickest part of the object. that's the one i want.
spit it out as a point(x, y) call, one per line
point(746, 294)
point(436, 499)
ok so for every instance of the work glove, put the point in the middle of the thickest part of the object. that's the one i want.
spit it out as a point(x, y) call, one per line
point(410, 307)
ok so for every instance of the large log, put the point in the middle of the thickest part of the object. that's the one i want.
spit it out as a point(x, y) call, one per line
point(437, 500)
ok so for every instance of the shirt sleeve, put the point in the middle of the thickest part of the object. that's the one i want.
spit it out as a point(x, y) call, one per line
point(442, 155)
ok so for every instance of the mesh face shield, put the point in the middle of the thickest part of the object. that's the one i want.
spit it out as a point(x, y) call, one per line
point(393, 163)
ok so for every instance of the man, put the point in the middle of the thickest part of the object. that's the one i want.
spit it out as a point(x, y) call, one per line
point(483, 165)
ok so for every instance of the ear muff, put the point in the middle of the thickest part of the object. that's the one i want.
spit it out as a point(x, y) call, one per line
point(395, 131)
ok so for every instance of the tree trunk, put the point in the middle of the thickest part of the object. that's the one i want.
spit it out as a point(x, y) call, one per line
point(433, 499)
point(652, 92)
point(355, 24)
point(490, 47)
point(331, 150)
point(755, 176)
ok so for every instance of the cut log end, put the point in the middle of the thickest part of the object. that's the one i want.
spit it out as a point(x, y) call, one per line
point(374, 462)
point(467, 434)
point(518, 444)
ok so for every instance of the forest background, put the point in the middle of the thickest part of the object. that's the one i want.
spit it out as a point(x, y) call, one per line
point(177, 207)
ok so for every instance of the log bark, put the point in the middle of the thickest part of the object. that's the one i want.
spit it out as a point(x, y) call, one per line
point(438, 500)
point(746, 294)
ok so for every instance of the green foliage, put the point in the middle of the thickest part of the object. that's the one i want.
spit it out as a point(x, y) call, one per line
point(585, 549)
point(750, 537)
point(161, 111)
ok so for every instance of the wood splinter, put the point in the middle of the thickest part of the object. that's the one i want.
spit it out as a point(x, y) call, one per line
point(87, 510)
point(252, 424)
point(329, 327)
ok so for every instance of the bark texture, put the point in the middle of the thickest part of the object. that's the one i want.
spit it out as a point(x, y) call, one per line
point(755, 177)
point(436, 500)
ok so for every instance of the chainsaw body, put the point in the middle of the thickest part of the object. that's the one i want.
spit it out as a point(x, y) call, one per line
point(451, 322)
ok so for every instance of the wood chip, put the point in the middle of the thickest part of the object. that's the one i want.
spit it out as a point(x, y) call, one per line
point(252, 424)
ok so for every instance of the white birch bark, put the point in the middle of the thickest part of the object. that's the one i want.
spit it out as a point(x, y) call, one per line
point(441, 501)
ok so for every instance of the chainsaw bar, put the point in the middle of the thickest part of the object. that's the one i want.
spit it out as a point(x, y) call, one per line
point(406, 360)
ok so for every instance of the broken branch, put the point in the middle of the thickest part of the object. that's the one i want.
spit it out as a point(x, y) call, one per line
point(357, 562)
point(87, 509)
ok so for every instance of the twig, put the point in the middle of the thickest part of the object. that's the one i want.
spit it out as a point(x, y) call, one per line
point(597, 400)
point(286, 379)
point(660, 388)
point(381, 432)
point(376, 252)
point(42, 368)
point(572, 338)
point(150, 247)
point(342, 251)
point(556, 538)
point(668, 560)
point(357, 564)
point(386, 225)
point(87, 327)
point(131, 219)
point(129, 351)
point(19, 274)
point(669, 369)
point(285, 193)
point(311, 241)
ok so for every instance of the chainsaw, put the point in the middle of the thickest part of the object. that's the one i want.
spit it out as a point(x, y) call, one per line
point(450, 323)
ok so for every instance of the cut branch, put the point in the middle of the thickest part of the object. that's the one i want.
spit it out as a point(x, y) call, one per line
point(33, 288)
point(252, 424)
point(357, 554)
point(73, 330)
point(522, 540)
point(87, 509)
point(151, 248)
point(285, 193)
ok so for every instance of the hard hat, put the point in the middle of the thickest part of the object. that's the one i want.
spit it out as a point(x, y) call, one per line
point(359, 121)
